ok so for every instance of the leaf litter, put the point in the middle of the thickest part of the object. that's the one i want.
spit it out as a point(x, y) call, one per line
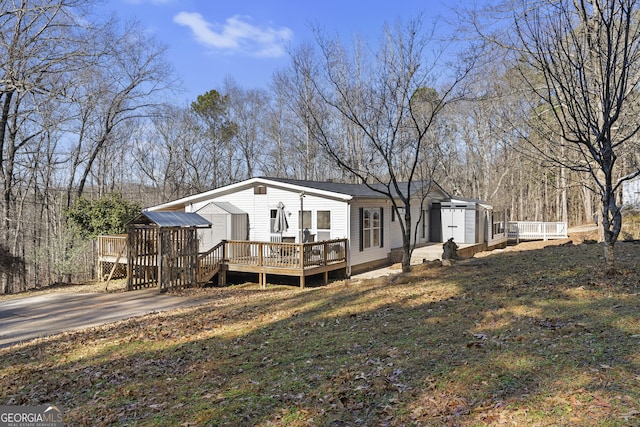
point(537, 337)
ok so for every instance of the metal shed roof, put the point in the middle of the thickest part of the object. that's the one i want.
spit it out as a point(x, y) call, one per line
point(225, 206)
point(171, 219)
point(469, 201)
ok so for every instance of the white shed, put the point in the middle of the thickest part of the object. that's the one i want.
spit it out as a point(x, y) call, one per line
point(464, 220)
point(631, 193)
point(227, 223)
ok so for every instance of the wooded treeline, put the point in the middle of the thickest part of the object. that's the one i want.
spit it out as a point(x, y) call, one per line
point(86, 109)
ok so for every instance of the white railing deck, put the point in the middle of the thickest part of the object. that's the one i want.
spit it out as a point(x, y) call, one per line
point(533, 230)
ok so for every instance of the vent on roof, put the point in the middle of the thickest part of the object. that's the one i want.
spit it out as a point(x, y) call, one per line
point(260, 189)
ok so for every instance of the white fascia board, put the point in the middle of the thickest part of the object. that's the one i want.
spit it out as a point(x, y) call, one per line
point(185, 201)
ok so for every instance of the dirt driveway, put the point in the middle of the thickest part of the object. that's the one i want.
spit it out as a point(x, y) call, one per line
point(23, 319)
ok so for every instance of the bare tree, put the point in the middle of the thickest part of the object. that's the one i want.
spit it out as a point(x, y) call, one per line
point(212, 109)
point(69, 82)
point(172, 154)
point(24, 82)
point(581, 60)
point(385, 97)
point(122, 85)
point(292, 97)
point(277, 132)
point(41, 44)
point(247, 109)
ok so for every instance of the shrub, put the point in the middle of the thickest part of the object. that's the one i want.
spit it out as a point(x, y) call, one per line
point(109, 214)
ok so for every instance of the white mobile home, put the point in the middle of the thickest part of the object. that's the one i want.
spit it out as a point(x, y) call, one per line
point(285, 210)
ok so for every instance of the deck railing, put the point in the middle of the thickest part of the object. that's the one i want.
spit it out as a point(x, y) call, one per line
point(112, 246)
point(285, 255)
point(532, 230)
point(209, 262)
point(275, 254)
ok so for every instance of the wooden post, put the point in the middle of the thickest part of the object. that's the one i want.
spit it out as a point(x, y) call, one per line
point(224, 251)
point(325, 252)
point(160, 242)
point(301, 246)
point(131, 255)
point(115, 265)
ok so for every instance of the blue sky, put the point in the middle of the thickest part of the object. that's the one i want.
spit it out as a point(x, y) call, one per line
point(208, 40)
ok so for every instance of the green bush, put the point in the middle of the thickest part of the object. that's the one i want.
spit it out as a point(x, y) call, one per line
point(89, 218)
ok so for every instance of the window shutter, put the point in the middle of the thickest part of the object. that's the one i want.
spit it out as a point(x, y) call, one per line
point(361, 221)
point(382, 227)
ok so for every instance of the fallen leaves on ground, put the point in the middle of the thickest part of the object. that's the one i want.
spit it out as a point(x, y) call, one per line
point(532, 338)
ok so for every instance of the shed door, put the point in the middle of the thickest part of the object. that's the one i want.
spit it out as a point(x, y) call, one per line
point(209, 237)
point(453, 220)
point(435, 223)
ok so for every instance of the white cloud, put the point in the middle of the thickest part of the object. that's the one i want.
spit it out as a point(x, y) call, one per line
point(236, 34)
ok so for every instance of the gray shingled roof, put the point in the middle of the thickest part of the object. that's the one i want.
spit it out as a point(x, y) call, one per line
point(355, 190)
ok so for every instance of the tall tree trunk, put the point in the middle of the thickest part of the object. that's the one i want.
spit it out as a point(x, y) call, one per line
point(406, 241)
point(4, 126)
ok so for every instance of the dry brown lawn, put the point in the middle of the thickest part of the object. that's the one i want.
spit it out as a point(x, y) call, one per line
point(536, 337)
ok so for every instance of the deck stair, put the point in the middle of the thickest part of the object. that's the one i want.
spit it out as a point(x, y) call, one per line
point(210, 263)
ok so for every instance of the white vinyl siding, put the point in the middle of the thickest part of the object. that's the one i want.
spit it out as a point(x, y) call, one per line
point(259, 207)
point(339, 212)
point(396, 230)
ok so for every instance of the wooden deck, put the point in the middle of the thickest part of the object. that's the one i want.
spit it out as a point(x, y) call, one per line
point(287, 259)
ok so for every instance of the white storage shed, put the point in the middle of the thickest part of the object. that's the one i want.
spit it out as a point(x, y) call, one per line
point(465, 220)
point(227, 223)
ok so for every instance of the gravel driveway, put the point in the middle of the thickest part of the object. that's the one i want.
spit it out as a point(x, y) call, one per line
point(23, 319)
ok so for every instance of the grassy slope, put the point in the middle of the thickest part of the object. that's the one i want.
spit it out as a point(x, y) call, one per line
point(515, 338)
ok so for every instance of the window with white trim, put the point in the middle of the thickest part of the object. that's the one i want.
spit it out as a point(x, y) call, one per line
point(371, 228)
point(323, 225)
